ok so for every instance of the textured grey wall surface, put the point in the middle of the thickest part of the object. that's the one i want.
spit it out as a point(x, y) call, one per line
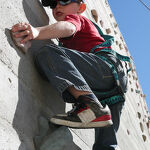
point(27, 101)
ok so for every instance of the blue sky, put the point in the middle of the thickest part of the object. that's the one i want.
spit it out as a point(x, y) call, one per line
point(133, 20)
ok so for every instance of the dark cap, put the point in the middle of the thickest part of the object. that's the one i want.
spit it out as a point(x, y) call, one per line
point(46, 3)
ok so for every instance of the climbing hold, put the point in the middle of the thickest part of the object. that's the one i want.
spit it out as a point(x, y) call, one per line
point(129, 75)
point(101, 23)
point(115, 25)
point(148, 124)
point(106, 2)
point(108, 30)
point(121, 38)
point(117, 42)
point(139, 115)
point(128, 132)
point(9, 80)
point(94, 14)
point(111, 15)
point(115, 32)
point(129, 65)
point(141, 126)
point(120, 46)
point(137, 85)
point(144, 138)
point(126, 48)
point(137, 91)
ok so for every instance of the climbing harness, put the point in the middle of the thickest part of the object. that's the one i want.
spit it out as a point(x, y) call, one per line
point(108, 42)
point(109, 97)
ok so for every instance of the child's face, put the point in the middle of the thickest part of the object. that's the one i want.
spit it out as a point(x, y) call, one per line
point(60, 11)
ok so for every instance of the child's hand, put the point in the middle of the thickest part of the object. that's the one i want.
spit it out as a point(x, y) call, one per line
point(24, 31)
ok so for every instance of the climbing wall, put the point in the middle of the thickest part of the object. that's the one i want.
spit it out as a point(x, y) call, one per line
point(27, 101)
point(134, 132)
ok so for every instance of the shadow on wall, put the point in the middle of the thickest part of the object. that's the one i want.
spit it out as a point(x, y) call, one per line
point(37, 99)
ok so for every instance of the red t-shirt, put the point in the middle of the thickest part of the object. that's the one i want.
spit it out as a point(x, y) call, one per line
point(85, 37)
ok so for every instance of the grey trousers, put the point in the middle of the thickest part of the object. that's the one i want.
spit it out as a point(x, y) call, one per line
point(64, 67)
point(105, 138)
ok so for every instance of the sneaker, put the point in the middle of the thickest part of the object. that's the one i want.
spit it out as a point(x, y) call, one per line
point(86, 113)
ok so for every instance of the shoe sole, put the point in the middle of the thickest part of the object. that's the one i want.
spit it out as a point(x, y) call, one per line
point(81, 125)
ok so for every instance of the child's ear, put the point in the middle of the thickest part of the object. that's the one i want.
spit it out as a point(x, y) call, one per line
point(82, 8)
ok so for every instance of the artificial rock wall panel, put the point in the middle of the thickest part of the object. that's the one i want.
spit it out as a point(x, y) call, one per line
point(26, 100)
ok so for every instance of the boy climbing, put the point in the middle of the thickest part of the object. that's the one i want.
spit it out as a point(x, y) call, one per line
point(76, 72)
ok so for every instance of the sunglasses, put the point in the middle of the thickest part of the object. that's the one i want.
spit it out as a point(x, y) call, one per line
point(53, 3)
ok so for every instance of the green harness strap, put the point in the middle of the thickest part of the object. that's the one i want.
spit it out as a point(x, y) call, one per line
point(108, 42)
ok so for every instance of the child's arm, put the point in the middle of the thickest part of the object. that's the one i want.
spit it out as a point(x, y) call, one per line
point(60, 29)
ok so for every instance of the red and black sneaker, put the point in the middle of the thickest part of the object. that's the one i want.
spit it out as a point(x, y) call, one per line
point(86, 113)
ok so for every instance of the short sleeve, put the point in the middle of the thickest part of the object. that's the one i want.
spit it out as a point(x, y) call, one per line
point(74, 19)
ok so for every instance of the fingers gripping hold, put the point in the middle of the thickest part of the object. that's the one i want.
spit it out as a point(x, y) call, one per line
point(24, 31)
